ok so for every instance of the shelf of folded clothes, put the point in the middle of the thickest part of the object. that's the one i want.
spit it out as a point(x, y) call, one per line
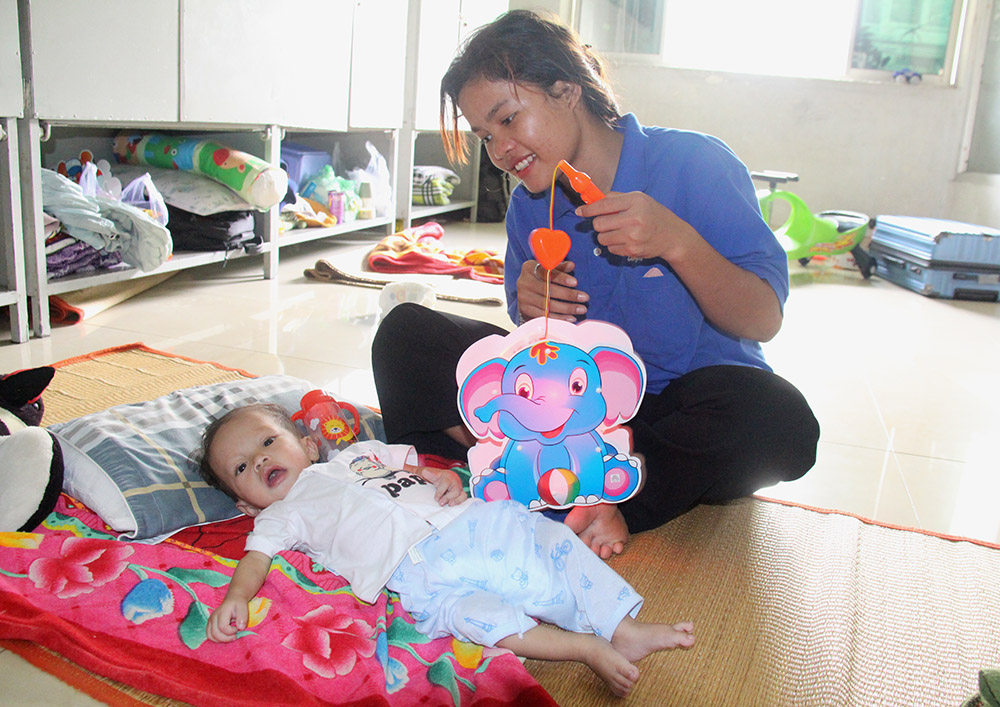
point(97, 239)
point(434, 192)
point(178, 261)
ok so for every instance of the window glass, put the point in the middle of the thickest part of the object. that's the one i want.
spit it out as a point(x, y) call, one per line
point(810, 38)
point(622, 26)
point(895, 35)
point(778, 37)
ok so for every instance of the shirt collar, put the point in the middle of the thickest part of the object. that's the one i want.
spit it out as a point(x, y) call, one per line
point(631, 174)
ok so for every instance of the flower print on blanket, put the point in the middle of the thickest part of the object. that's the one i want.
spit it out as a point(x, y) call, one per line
point(103, 603)
point(80, 567)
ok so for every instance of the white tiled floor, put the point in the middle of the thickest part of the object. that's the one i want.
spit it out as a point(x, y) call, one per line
point(906, 388)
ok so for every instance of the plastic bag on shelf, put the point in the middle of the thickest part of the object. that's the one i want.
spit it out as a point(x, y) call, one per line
point(377, 173)
point(79, 214)
point(142, 193)
point(106, 224)
point(147, 243)
point(319, 185)
point(96, 180)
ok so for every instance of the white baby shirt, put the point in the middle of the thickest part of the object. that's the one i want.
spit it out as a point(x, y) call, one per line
point(357, 515)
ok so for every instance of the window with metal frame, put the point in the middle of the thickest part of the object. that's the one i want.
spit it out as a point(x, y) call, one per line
point(861, 39)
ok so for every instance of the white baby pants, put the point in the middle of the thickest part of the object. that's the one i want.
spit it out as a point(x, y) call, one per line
point(497, 567)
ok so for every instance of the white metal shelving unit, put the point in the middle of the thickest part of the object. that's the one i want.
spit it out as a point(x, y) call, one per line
point(184, 77)
point(44, 144)
point(13, 291)
point(13, 288)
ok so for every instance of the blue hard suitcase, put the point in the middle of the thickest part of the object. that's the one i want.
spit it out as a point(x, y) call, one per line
point(938, 257)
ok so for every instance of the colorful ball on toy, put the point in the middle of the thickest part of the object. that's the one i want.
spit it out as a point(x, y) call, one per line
point(558, 487)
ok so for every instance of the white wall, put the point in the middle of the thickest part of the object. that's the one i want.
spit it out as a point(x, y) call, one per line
point(886, 148)
point(878, 148)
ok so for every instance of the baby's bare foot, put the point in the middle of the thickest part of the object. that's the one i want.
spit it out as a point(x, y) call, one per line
point(636, 640)
point(612, 667)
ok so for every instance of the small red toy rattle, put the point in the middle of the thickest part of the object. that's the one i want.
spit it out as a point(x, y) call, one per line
point(324, 417)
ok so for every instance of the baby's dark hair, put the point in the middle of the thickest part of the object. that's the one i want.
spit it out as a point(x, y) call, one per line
point(205, 470)
point(524, 47)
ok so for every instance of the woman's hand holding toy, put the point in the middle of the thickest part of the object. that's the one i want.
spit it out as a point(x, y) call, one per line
point(636, 226)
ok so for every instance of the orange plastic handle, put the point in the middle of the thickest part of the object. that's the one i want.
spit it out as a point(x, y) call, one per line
point(580, 181)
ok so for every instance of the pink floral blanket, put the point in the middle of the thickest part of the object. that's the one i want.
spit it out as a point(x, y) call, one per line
point(137, 614)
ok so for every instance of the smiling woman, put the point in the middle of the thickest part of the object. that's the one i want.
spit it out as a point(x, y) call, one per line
point(675, 253)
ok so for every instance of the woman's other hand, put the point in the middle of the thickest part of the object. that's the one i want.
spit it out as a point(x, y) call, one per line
point(565, 301)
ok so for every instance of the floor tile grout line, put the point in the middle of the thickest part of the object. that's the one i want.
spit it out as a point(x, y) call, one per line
point(890, 453)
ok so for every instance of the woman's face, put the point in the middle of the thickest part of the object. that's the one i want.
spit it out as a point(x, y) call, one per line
point(526, 130)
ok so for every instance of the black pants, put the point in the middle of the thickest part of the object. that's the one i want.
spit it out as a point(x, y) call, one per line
point(712, 435)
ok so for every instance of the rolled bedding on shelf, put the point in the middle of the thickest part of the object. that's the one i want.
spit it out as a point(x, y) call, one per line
point(260, 183)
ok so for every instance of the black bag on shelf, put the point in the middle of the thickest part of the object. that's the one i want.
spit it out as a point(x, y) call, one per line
point(228, 230)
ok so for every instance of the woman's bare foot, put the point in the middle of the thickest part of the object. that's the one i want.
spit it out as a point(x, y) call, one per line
point(602, 527)
point(635, 640)
point(611, 666)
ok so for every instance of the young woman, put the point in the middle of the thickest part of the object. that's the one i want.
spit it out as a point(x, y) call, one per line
point(676, 254)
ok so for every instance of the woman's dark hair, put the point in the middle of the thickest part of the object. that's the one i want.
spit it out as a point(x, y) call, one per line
point(205, 470)
point(525, 48)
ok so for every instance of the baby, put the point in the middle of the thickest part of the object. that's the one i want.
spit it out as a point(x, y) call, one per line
point(482, 572)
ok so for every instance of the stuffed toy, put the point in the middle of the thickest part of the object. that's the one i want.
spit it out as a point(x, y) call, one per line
point(30, 457)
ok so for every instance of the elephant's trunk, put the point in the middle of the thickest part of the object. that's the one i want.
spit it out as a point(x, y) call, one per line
point(533, 416)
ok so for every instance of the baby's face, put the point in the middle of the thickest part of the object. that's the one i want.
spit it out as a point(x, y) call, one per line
point(259, 459)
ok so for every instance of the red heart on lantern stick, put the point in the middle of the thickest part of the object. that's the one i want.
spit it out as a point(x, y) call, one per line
point(550, 246)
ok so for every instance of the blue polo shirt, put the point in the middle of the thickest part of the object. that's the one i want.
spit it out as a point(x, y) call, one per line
point(702, 181)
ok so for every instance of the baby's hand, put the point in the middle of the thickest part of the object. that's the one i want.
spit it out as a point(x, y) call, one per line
point(228, 620)
point(448, 489)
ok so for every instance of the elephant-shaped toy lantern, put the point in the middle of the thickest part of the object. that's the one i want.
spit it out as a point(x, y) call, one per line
point(546, 404)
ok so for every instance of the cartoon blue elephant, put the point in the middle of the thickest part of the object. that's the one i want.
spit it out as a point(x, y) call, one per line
point(547, 406)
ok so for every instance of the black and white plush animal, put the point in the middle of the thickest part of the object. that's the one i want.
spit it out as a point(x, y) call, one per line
point(31, 462)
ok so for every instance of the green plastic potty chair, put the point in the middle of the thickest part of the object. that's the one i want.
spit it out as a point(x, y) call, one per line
point(804, 234)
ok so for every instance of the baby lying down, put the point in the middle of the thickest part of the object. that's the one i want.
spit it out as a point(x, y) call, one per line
point(487, 573)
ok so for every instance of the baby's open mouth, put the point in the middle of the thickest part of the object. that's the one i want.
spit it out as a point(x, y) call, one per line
point(273, 476)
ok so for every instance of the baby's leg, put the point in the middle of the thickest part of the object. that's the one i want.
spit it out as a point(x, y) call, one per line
point(548, 643)
point(635, 639)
